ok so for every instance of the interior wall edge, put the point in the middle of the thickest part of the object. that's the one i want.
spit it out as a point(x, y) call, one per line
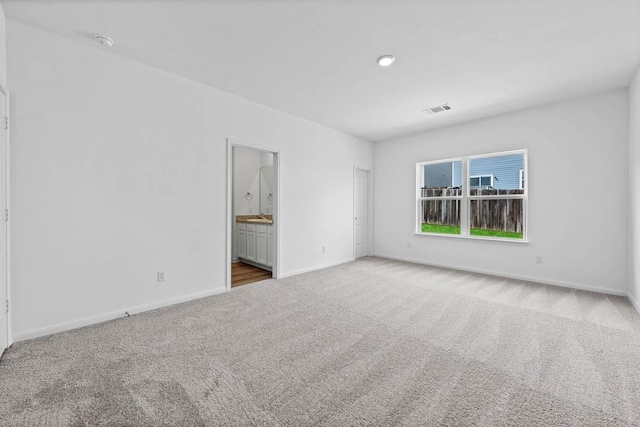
point(633, 182)
point(634, 302)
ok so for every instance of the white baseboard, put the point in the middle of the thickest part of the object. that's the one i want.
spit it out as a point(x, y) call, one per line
point(319, 267)
point(78, 323)
point(513, 276)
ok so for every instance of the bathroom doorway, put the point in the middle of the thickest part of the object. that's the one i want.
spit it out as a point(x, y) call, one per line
point(252, 210)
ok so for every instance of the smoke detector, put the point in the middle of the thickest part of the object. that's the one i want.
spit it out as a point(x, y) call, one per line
point(104, 40)
point(437, 109)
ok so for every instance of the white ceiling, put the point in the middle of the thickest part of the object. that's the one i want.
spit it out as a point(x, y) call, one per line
point(316, 58)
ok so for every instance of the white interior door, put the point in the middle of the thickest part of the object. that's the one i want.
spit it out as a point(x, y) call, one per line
point(4, 294)
point(361, 208)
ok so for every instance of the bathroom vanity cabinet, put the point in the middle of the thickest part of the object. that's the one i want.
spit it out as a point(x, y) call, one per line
point(255, 243)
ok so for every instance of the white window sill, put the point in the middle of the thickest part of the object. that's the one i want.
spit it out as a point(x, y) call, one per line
point(477, 238)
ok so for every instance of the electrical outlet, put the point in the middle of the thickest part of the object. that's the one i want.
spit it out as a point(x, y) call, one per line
point(539, 259)
point(324, 249)
point(162, 276)
point(408, 245)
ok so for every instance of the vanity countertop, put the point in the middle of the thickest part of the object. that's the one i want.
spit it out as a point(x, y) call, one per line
point(255, 219)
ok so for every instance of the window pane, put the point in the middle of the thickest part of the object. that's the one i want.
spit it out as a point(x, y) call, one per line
point(440, 216)
point(505, 170)
point(474, 182)
point(437, 177)
point(497, 218)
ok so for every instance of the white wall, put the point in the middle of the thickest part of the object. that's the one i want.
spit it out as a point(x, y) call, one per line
point(119, 170)
point(5, 292)
point(577, 193)
point(246, 179)
point(267, 183)
point(3, 47)
point(634, 190)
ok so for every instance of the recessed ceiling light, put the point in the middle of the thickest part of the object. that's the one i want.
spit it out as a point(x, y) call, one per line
point(386, 60)
point(104, 40)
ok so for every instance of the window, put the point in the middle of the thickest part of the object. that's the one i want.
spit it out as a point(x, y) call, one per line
point(475, 197)
point(481, 181)
point(440, 197)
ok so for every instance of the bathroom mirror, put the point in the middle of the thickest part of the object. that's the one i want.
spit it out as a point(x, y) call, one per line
point(267, 178)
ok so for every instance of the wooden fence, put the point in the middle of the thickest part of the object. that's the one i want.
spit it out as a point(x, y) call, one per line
point(491, 214)
point(443, 212)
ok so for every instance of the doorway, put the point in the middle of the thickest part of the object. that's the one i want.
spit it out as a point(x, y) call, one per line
point(252, 210)
point(5, 339)
point(362, 216)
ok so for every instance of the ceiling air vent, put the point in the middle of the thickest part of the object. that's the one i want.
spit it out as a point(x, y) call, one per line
point(438, 109)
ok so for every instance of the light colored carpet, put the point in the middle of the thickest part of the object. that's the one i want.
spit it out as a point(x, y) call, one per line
point(373, 342)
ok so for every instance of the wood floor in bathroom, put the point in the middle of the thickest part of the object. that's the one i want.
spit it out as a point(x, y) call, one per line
point(242, 274)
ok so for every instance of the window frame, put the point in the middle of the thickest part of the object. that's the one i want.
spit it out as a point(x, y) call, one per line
point(466, 197)
point(521, 181)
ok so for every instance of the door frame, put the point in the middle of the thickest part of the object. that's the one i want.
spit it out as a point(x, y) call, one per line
point(277, 161)
point(369, 172)
point(4, 204)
